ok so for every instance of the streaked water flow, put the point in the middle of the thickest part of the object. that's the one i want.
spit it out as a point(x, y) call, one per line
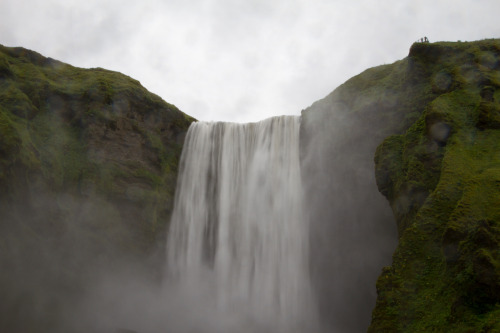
point(238, 227)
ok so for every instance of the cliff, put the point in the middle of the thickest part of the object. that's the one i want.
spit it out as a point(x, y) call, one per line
point(88, 167)
point(432, 121)
point(442, 178)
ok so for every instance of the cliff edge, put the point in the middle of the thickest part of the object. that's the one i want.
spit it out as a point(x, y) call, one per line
point(88, 167)
point(432, 121)
point(442, 179)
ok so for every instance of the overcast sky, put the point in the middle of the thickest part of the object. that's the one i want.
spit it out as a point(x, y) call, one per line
point(239, 60)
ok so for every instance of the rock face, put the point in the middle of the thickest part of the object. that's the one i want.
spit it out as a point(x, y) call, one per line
point(434, 117)
point(88, 166)
point(353, 231)
point(441, 177)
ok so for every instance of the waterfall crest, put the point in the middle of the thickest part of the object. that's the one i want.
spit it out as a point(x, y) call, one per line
point(238, 226)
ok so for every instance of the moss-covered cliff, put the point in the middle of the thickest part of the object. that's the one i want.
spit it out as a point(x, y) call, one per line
point(88, 163)
point(435, 119)
point(353, 230)
point(442, 178)
point(88, 166)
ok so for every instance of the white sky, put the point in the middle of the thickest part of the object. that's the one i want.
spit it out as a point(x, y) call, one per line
point(239, 60)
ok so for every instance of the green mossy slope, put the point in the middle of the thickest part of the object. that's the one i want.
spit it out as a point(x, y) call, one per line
point(442, 179)
point(88, 167)
point(88, 163)
point(435, 118)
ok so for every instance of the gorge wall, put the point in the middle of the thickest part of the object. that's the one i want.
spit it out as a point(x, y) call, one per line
point(353, 228)
point(434, 117)
point(441, 177)
point(88, 166)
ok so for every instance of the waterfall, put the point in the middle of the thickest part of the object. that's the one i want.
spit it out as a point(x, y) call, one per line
point(238, 230)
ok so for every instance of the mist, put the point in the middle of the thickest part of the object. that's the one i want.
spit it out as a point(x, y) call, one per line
point(73, 282)
point(352, 229)
point(75, 261)
point(352, 235)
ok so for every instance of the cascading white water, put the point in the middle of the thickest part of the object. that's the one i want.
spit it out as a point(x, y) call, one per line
point(238, 227)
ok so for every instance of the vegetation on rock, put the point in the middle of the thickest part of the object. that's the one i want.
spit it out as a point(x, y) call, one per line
point(88, 167)
point(89, 159)
point(442, 178)
point(435, 117)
